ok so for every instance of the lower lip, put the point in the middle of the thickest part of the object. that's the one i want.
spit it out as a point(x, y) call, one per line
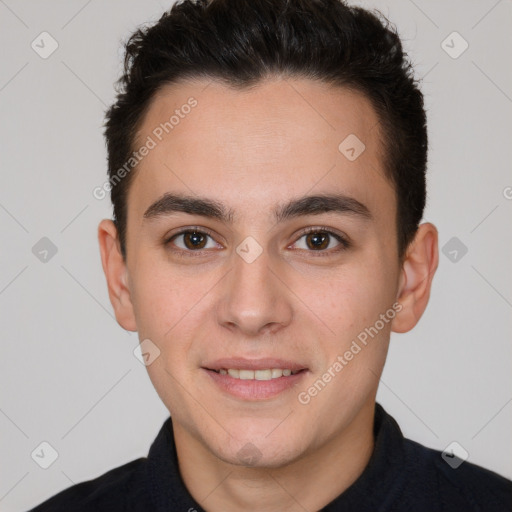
point(254, 389)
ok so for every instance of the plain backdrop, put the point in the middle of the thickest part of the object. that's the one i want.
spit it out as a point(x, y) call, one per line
point(68, 374)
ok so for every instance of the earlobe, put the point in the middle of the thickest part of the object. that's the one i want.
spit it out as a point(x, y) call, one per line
point(416, 277)
point(114, 267)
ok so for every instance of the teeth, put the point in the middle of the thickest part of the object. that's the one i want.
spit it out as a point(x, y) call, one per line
point(263, 374)
point(245, 374)
point(267, 374)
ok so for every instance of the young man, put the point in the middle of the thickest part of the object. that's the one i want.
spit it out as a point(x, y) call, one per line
point(267, 170)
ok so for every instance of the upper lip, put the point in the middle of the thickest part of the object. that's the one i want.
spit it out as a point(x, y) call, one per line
point(241, 363)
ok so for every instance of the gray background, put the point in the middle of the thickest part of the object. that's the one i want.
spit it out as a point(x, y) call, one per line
point(68, 375)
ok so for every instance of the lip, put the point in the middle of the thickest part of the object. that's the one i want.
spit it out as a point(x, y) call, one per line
point(241, 363)
point(254, 389)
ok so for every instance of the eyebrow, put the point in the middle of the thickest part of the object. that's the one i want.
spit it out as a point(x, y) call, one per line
point(308, 205)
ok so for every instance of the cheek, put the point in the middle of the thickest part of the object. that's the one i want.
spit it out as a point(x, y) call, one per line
point(165, 313)
point(159, 301)
point(347, 299)
point(171, 310)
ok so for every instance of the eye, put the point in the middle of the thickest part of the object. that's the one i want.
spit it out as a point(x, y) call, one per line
point(321, 240)
point(192, 240)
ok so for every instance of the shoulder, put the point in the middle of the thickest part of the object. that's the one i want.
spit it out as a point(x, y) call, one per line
point(456, 484)
point(122, 488)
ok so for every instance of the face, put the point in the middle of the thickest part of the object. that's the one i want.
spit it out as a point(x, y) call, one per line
point(255, 242)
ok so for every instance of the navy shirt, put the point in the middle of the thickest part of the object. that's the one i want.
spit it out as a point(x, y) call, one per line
point(401, 475)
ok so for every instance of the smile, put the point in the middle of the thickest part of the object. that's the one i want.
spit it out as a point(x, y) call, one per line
point(254, 379)
point(266, 374)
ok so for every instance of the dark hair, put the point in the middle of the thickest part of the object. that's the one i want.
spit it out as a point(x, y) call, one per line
point(241, 42)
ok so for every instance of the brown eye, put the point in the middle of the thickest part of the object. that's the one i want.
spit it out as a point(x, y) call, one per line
point(192, 240)
point(319, 240)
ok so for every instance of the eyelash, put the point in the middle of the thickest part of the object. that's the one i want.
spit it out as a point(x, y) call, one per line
point(344, 243)
point(188, 253)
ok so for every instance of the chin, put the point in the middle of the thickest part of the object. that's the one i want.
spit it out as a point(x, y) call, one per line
point(261, 451)
point(249, 455)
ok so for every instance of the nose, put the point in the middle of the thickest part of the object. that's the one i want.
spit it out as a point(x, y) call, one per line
point(254, 300)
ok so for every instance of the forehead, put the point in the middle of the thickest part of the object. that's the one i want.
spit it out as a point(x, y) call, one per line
point(254, 147)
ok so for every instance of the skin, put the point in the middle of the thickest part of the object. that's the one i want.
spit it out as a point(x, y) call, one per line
point(252, 151)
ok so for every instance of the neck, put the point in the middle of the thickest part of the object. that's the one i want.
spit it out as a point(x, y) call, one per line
point(307, 483)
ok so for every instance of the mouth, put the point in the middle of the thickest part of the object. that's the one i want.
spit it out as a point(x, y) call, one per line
point(266, 374)
point(254, 379)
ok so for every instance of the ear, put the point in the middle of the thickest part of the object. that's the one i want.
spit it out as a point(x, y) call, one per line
point(116, 272)
point(418, 270)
